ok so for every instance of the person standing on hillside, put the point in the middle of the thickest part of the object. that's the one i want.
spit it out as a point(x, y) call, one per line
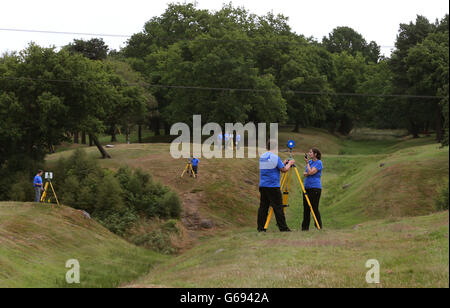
point(226, 138)
point(220, 140)
point(270, 166)
point(194, 162)
point(238, 141)
point(37, 184)
point(313, 187)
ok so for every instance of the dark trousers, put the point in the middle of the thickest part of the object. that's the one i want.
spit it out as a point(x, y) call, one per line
point(37, 193)
point(271, 196)
point(314, 198)
point(195, 169)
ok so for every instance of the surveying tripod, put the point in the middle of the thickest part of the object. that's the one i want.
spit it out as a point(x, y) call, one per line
point(189, 170)
point(46, 190)
point(285, 183)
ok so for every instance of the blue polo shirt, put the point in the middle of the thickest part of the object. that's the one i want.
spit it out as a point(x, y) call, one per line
point(194, 162)
point(37, 180)
point(313, 181)
point(269, 170)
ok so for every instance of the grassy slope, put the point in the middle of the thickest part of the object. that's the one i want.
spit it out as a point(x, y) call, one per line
point(227, 192)
point(412, 252)
point(36, 241)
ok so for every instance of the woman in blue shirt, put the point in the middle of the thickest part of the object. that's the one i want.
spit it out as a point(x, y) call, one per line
point(313, 187)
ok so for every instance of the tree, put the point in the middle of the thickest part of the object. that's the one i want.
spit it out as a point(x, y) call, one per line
point(377, 111)
point(418, 69)
point(94, 49)
point(347, 108)
point(428, 75)
point(346, 39)
point(187, 46)
point(134, 102)
point(52, 93)
point(302, 73)
point(411, 110)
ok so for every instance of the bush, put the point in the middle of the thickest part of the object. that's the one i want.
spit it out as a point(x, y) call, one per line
point(157, 240)
point(441, 201)
point(22, 189)
point(120, 223)
point(147, 197)
point(116, 199)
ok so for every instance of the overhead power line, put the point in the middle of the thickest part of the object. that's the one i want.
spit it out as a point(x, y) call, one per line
point(66, 33)
point(226, 89)
point(191, 39)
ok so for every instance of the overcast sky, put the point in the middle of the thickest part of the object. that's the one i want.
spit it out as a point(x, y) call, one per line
point(375, 20)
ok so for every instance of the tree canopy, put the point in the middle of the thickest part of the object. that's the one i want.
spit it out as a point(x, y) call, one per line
point(229, 66)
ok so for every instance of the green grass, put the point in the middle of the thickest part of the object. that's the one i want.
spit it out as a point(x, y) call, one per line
point(412, 252)
point(36, 241)
point(386, 212)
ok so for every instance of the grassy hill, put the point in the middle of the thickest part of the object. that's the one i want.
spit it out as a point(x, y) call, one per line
point(412, 252)
point(227, 189)
point(36, 241)
point(377, 202)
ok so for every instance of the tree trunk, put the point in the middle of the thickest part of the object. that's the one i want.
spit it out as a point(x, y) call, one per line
point(113, 134)
point(346, 125)
point(140, 133)
point(127, 134)
point(166, 128)
point(75, 137)
point(439, 121)
point(90, 140)
point(414, 130)
point(156, 126)
point(83, 137)
point(99, 146)
point(297, 127)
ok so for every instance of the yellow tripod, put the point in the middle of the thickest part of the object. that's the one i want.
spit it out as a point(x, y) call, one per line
point(189, 170)
point(44, 194)
point(285, 183)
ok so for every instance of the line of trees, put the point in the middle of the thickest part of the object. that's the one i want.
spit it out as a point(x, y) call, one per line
point(232, 48)
point(48, 96)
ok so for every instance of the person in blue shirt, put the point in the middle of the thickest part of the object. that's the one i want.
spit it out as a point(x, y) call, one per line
point(219, 140)
point(238, 141)
point(270, 166)
point(37, 184)
point(227, 138)
point(194, 162)
point(313, 187)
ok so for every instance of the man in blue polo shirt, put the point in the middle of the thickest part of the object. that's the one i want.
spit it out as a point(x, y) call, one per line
point(37, 184)
point(270, 166)
point(195, 162)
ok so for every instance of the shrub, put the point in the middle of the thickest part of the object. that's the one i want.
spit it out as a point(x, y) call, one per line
point(147, 197)
point(22, 189)
point(120, 223)
point(116, 199)
point(157, 240)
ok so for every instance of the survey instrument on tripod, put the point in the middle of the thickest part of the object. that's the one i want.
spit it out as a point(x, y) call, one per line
point(189, 169)
point(48, 185)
